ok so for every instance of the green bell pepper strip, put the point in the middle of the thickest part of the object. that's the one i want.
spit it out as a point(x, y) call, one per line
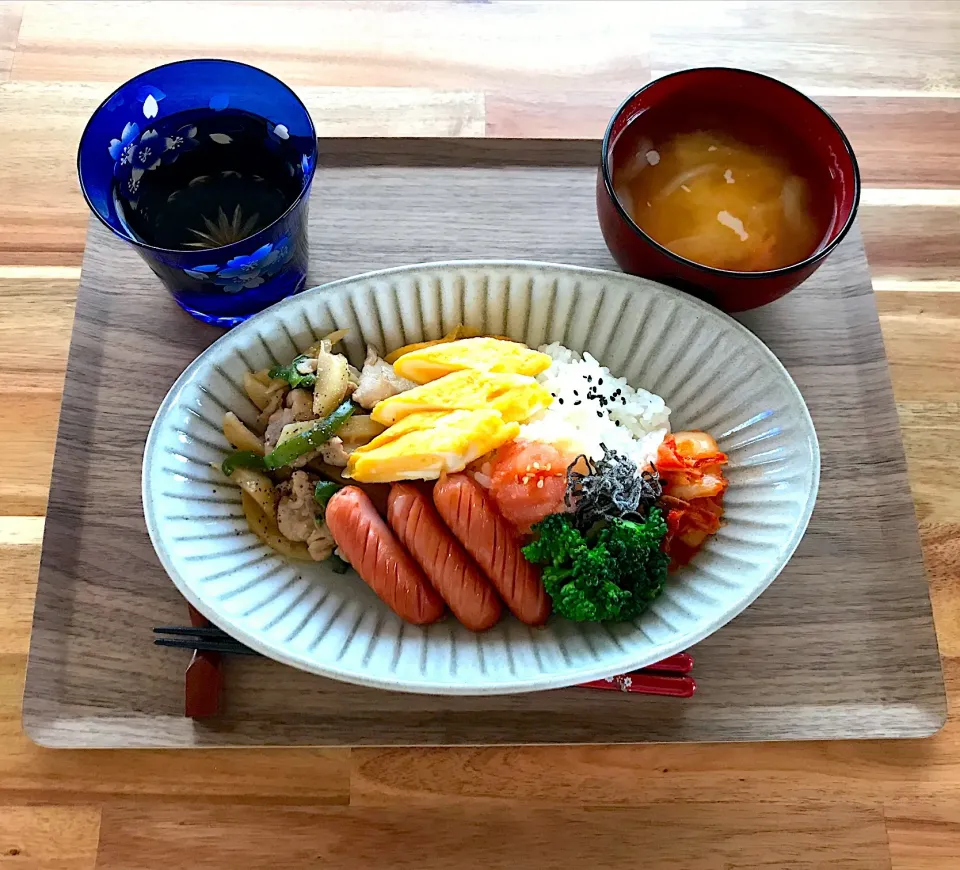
point(242, 459)
point(291, 375)
point(313, 438)
point(324, 490)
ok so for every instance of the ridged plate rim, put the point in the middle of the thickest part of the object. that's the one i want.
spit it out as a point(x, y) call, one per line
point(565, 678)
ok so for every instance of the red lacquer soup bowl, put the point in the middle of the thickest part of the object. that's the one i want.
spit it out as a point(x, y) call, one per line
point(810, 132)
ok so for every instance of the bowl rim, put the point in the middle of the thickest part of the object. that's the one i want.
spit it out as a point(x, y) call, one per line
point(813, 259)
point(233, 247)
point(570, 677)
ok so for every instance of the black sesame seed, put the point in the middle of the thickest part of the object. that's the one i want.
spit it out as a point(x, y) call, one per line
point(560, 401)
point(576, 393)
point(599, 413)
point(577, 402)
point(599, 382)
point(617, 422)
point(589, 379)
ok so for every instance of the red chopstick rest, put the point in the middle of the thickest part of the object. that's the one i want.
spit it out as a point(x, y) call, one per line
point(647, 683)
point(203, 679)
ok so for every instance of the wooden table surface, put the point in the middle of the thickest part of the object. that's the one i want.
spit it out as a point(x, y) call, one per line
point(890, 73)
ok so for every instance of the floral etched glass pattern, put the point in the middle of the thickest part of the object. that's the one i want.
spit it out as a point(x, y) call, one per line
point(205, 167)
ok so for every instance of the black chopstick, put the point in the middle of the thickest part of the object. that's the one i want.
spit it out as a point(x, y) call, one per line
point(226, 646)
point(209, 631)
point(208, 638)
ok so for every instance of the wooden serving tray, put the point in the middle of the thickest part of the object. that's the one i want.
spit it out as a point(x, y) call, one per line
point(842, 645)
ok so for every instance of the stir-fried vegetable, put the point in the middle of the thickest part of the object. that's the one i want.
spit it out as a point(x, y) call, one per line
point(328, 341)
point(360, 429)
point(258, 485)
point(242, 459)
point(324, 490)
point(332, 380)
point(301, 372)
point(240, 435)
point(316, 436)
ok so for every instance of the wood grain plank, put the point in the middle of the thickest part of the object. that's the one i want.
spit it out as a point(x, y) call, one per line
point(50, 216)
point(589, 776)
point(672, 837)
point(917, 329)
point(913, 242)
point(49, 838)
point(553, 47)
point(897, 45)
point(922, 845)
point(900, 141)
point(423, 44)
point(10, 15)
point(36, 302)
point(924, 366)
point(20, 539)
point(390, 111)
point(923, 834)
point(941, 556)
point(30, 773)
point(27, 452)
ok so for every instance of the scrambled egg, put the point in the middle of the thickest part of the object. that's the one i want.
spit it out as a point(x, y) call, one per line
point(515, 397)
point(424, 445)
point(481, 354)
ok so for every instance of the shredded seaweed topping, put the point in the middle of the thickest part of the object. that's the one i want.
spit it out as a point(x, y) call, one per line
point(612, 488)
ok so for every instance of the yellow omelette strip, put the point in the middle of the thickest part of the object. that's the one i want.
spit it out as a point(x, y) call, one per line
point(424, 446)
point(516, 397)
point(460, 331)
point(481, 354)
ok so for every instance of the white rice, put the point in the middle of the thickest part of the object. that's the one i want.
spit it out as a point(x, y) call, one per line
point(591, 406)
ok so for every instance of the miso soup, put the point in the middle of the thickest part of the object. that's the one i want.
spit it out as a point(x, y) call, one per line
point(723, 186)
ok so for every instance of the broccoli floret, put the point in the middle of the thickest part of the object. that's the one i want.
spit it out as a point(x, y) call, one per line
point(635, 547)
point(614, 577)
point(557, 541)
point(594, 566)
point(601, 603)
point(586, 589)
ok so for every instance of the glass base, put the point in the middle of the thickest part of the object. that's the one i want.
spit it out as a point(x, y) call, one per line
point(226, 322)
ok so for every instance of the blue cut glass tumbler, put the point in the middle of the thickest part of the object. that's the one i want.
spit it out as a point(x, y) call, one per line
point(205, 167)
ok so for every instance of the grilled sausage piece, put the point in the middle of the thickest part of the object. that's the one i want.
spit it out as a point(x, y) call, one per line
point(495, 545)
point(379, 558)
point(452, 572)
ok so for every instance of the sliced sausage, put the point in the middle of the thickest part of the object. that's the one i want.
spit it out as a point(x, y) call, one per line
point(494, 544)
point(452, 572)
point(379, 558)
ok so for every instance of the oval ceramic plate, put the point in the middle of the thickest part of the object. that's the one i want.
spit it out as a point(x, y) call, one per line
point(713, 373)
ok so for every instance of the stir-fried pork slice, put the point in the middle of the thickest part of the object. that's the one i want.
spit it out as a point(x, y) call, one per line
point(378, 381)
